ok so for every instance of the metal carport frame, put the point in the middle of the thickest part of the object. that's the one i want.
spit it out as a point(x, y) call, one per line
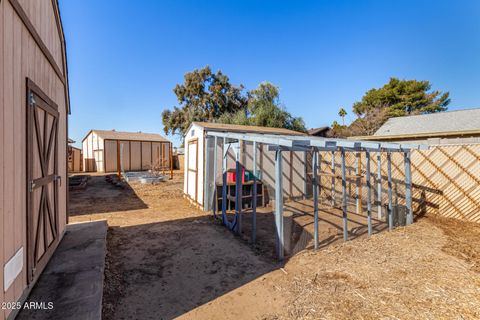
point(281, 143)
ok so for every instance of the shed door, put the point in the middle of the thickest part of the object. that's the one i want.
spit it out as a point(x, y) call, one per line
point(192, 170)
point(42, 204)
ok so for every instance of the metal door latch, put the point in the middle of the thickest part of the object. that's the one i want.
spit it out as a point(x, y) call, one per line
point(31, 186)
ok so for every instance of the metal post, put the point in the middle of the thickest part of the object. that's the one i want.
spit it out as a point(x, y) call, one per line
point(390, 196)
point(224, 185)
point(319, 183)
point(408, 186)
point(238, 188)
point(369, 194)
point(254, 199)
point(279, 204)
point(305, 172)
point(357, 182)
point(333, 179)
point(214, 207)
point(379, 185)
point(315, 196)
point(344, 196)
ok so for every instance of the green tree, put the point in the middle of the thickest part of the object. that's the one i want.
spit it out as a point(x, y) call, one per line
point(396, 98)
point(264, 109)
point(204, 96)
point(342, 113)
point(403, 97)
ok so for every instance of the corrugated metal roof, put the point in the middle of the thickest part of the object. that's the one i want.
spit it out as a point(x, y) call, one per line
point(241, 128)
point(459, 120)
point(134, 136)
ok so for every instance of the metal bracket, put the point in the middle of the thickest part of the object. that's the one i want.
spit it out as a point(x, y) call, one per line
point(31, 99)
point(58, 178)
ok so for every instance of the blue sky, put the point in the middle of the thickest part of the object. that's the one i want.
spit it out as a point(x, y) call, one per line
point(125, 57)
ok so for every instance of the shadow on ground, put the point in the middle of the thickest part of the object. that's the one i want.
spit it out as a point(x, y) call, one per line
point(163, 270)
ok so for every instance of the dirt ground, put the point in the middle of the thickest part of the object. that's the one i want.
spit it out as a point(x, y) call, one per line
point(166, 260)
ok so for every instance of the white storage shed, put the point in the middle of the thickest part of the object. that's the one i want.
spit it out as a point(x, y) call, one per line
point(198, 182)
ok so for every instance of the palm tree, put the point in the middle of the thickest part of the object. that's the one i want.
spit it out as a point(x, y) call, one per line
point(342, 113)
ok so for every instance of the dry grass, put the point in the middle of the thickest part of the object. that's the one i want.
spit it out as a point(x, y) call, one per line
point(426, 271)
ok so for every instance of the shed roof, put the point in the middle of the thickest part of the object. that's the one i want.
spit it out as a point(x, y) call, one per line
point(316, 131)
point(245, 129)
point(133, 136)
point(434, 124)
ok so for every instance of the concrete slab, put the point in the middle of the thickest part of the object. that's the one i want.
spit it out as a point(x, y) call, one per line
point(73, 279)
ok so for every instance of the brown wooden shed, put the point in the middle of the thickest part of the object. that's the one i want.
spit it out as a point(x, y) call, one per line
point(33, 143)
point(75, 159)
point(104, 150)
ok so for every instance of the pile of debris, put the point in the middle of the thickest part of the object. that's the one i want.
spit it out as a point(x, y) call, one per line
point(144, 177)
point(77, 182)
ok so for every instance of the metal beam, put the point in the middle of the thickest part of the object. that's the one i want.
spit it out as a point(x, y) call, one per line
point(408, 187)
point(279, 140)
point(254, 199)
point(344, 196)
point(238, 188)
point(357, 183)
point(369, 194)
point(390, 196)
point(332, 194)
point(224, 182)
point(315, 196)
point(379, 185)
point(215, 159)
point(279, 204)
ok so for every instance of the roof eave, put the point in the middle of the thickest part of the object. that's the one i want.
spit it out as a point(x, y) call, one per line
point(418, 135)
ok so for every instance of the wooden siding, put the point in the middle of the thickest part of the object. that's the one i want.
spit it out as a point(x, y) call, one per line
point(135, 159)
point(146, 155)
point(110, 155)
point(75, 160)
point(136, 155)
point(22, 58)
point(42, 16)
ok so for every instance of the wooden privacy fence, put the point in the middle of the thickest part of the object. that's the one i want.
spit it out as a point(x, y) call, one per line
point(445, 181)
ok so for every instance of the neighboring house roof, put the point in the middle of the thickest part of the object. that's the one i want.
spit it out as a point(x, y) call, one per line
point(240, 128)
point(122, 135)
point(317, 131)
point(433, 124)
point(71, 140)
